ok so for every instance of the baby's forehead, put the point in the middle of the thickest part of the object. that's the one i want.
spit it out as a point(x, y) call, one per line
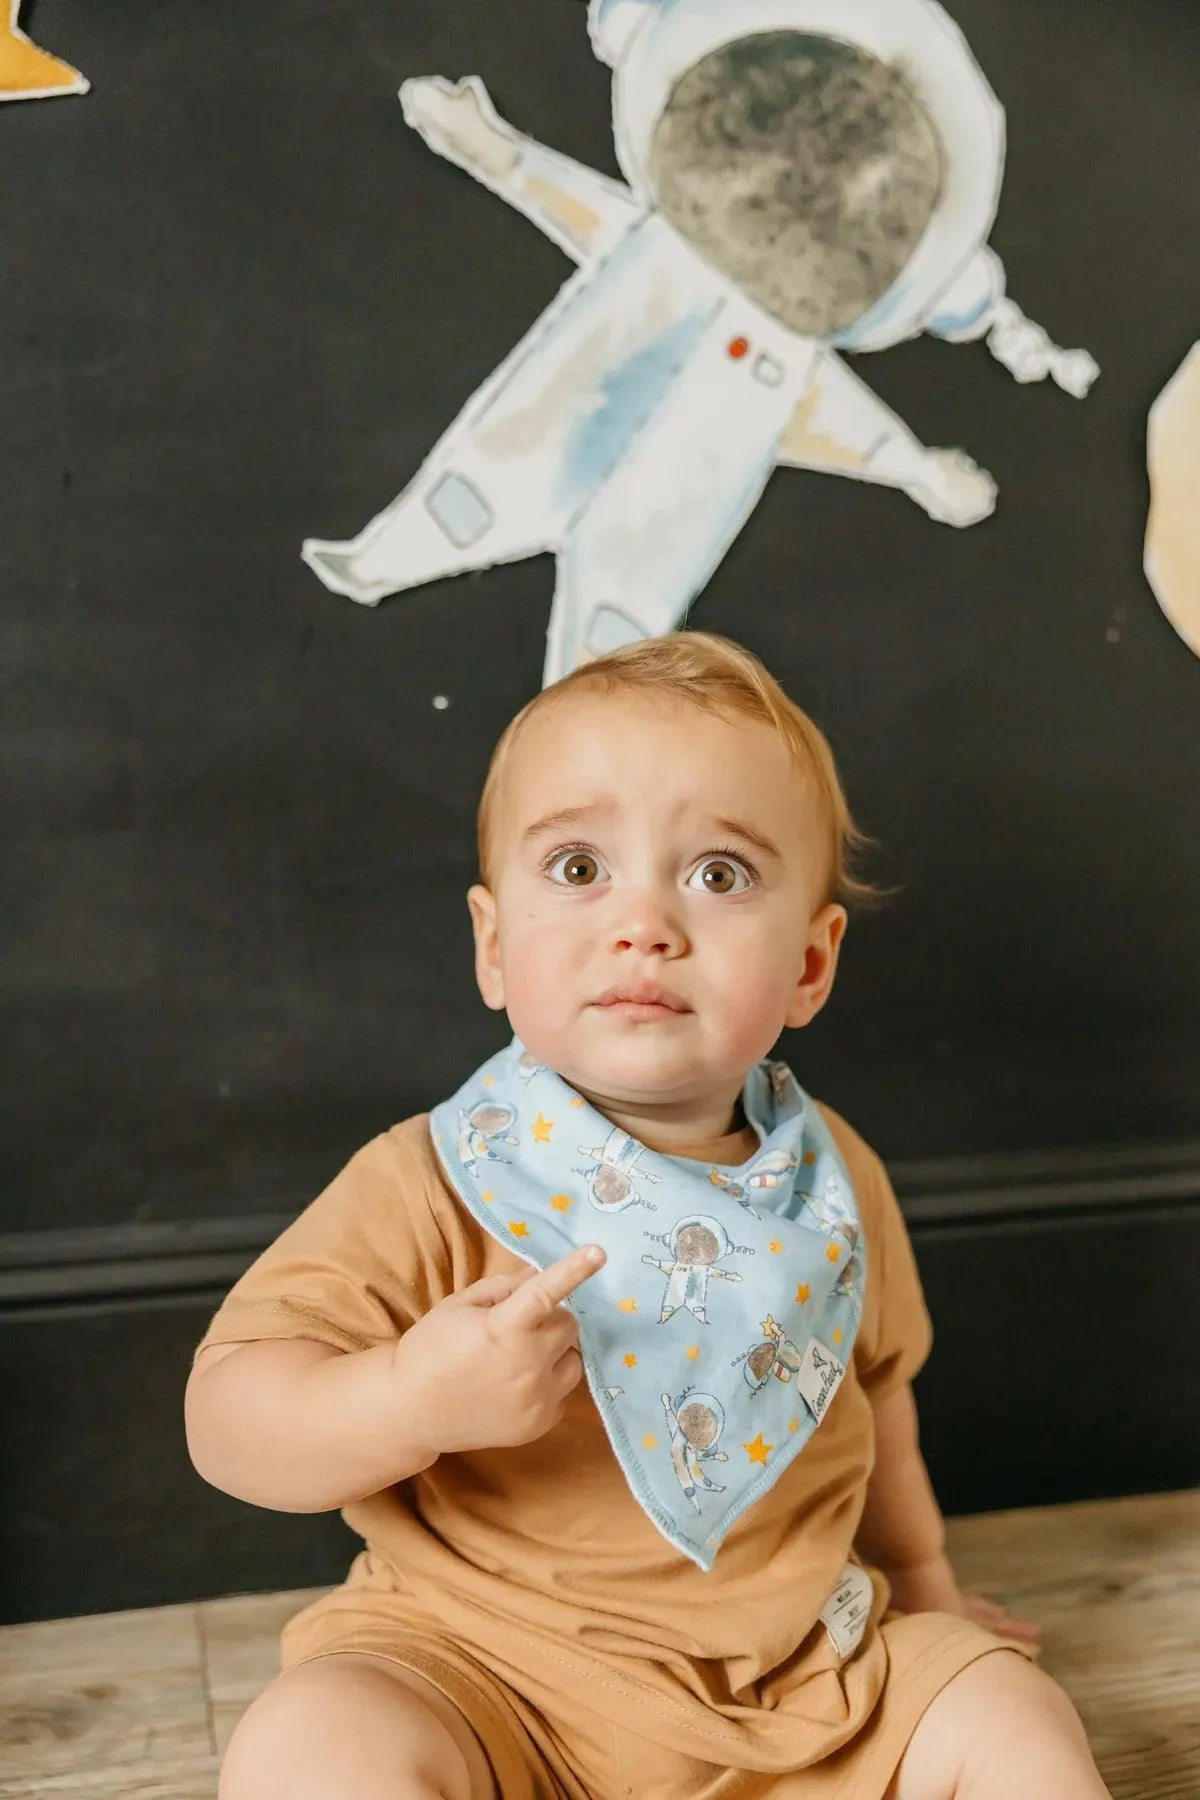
point(620, 756)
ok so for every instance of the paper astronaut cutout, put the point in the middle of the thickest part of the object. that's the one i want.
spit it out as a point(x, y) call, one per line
point(1173, 534)
point(27, 73)
point(803, 177)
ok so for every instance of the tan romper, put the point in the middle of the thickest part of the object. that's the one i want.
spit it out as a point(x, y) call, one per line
point(594, 1660)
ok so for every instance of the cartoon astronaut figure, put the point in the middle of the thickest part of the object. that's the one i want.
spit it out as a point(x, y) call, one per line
point(803, 178)
point(611, 1186)
point(765, 1174)
point(781, 1083)
point(829, 1211)
point(697, 1244)
point(849, 1276)
point(734, 1189)
point(481, 1129)
point(528, 1066)
point(695, 1422)
point(776, 1355)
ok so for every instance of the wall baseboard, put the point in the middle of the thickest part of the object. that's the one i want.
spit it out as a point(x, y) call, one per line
point(1066, 1366)
point(93, 1265)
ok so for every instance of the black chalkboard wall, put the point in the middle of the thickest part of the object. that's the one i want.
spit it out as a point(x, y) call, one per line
point(239, 301)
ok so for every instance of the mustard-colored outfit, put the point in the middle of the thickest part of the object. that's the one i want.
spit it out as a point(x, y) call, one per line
point(594, 1660)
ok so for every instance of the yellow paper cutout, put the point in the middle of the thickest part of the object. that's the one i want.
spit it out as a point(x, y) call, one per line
point(1173, 532)
point(27, 73)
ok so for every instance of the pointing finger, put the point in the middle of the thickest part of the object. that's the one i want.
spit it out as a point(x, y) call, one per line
point(495, 1288)
point(536, 1300)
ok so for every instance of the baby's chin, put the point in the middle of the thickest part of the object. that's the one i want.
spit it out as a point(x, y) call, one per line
point(635, 1062)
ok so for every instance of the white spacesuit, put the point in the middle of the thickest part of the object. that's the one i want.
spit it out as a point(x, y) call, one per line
point(633, 429)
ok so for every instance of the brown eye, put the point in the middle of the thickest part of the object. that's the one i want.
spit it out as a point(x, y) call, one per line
point(719, 876)
point(576, 869)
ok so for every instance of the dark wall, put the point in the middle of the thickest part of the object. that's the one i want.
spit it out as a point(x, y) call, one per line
point(239, 302)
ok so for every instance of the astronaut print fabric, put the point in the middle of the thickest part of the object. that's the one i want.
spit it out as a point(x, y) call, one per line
point(802, 178)
point(718, 1331)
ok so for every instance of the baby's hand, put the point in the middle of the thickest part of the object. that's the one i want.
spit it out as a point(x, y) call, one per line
point(495, 1364)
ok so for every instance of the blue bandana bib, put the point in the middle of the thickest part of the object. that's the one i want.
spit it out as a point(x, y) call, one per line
point(717, 1332)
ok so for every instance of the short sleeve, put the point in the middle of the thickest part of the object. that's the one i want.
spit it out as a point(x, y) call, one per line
point(360, 1265)
point(896, 1335)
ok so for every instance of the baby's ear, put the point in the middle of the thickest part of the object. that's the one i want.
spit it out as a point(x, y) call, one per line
point(820, 966)
point(481, 904)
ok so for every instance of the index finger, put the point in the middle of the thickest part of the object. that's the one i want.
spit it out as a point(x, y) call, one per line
point(536, 1300)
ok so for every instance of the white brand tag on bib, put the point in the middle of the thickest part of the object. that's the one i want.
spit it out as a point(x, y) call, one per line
point(845, 1613)
point(818, 1377)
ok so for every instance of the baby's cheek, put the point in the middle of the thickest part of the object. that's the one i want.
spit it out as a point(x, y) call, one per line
point(540, 980)
point(753, 1005)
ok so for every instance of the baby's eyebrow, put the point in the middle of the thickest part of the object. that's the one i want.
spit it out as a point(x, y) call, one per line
point(737, 828)
point(559, 821)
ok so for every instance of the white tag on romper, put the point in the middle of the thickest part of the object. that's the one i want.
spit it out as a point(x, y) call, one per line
point(845, 1613)
point(818, 1377)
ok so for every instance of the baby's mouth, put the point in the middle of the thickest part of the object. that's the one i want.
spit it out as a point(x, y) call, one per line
point(642, 998)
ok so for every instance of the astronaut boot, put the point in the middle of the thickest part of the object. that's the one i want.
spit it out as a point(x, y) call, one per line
point(440, 525)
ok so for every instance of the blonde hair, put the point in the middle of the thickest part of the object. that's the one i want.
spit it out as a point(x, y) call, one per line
point(698, 668)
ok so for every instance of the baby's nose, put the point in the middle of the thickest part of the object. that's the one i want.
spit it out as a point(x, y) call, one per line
point(646, 922)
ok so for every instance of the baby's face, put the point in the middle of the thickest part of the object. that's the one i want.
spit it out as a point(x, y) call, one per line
point(656, 916)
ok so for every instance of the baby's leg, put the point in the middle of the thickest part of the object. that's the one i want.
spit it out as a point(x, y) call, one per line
point(354, 1728)
point(1000, 1728)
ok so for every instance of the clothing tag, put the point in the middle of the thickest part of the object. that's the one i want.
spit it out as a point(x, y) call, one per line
point(845, 1613)
point(818, 1377)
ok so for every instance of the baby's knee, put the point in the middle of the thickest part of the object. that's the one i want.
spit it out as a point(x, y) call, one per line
point(1001, 1713)
point(345, 1728)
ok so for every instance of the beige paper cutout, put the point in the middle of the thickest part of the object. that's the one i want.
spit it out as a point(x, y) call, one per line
point(1173, 534)
point(27, 73)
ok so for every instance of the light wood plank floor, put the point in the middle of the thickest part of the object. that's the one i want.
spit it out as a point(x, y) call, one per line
point(137, 1706)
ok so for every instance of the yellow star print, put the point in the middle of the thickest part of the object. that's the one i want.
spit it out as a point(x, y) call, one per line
point(758, 1452)
point(487, 1195)
point(541, 1129)
point(518, 1227)
point(774, 1246)
point(802, 1292)
point(630, 1360)
point(693, 1352)
point(832, 1252)
point(577, 1103)
point(649, 1442)
point(626, 1305)
point(794, 1425)
point(562, 1202)
point(489, 1081)
point(810, 1157)
point(838, 1335)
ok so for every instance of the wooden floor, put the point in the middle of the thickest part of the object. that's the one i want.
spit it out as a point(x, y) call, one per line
point(137, 1706)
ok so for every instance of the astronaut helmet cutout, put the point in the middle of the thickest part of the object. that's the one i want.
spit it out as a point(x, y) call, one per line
point(803, 178)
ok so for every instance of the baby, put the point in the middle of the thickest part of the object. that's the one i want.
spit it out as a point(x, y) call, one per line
point(608, 1358)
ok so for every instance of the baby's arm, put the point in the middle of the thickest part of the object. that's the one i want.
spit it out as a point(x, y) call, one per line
point(902, 1531)
point(584, 212)
point(298, 1426)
